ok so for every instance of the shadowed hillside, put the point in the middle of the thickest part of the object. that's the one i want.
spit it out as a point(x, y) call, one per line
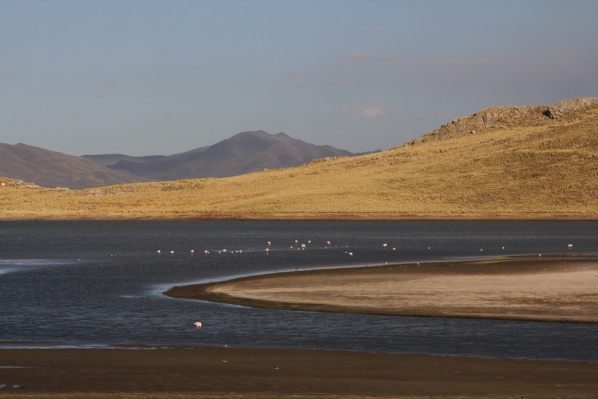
point(509, 162)
point(54, 169)
point(243, 153)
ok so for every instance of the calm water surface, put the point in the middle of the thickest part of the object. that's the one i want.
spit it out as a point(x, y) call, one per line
point(87, 284)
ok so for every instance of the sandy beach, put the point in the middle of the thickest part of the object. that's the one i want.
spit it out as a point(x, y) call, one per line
point(556, 288)
point(252, 373)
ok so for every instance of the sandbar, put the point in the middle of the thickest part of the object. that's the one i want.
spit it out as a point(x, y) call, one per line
point(561, 288)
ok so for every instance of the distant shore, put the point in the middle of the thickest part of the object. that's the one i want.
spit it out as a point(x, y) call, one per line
point(41, 216)
point(282, 373)
point(557, 288)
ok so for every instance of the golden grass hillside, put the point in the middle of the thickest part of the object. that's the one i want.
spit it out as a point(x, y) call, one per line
point(504, 162)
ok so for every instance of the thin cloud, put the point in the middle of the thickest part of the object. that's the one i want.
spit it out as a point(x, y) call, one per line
point(447, 60)
point(465, 61)
point(358, 55)
point(367, 111)
point(299, 78)
point(338, 80)
point(381, 109)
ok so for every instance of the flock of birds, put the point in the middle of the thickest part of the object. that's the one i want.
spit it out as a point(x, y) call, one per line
point(303, 246)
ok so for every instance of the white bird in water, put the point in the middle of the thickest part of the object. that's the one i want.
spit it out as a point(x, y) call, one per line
point(224, 250)
point(328, 242)
point(197, 324)
point(206, 252)
point(569, 246)
point(192, 251)
point(350, 253)
point(309, 241)
point(159, 251)
point(384, 245)
point(172, 252)
point(267, 250)
point(269, 243)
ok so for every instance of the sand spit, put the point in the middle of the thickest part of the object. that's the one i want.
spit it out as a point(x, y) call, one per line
point(282, 373)
point(542, 289)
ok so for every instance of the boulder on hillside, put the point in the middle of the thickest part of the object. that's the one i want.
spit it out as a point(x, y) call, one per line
point(575, 104)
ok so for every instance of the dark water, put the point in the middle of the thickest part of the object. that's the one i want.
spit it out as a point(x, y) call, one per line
point(98, 284)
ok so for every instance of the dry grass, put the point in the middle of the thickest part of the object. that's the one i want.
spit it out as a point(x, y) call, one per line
point(535, 167)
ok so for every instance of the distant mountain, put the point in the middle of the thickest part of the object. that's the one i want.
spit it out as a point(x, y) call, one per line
point(111, 159)
point(243, 153)
point(54, 169)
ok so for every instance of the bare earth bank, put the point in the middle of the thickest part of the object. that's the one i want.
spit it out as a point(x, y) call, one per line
point(546, 289)
point(251, 373)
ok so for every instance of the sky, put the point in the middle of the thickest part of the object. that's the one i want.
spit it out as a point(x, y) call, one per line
point(162, 77)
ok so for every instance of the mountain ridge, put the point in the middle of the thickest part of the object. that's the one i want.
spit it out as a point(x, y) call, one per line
point(243, 153)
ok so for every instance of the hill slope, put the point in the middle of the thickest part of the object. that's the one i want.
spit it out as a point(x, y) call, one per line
point(243, 153)
point(54, 169)
point(535, 162)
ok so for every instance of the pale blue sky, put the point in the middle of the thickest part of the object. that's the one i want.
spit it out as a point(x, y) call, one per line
point(161, 77)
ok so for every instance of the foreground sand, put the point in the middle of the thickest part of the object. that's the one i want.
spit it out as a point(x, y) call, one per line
point(250, 373)
point(553, 289)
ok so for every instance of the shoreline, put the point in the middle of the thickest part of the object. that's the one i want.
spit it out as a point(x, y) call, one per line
point(292, 373)
point(32, 216)
point(564, 291)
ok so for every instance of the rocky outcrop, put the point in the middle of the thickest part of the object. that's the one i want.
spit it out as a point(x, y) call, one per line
point(507, 117)
point(575, 104)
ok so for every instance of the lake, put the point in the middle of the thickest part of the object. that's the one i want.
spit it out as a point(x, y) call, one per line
point(99, 284)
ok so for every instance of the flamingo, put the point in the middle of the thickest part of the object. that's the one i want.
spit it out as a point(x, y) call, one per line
point(197, 324)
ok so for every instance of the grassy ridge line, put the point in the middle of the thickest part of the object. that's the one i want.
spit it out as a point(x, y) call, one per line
point(543, 169)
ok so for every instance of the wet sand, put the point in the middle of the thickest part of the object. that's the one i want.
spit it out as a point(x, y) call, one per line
point(553, 288)
point(250, 373)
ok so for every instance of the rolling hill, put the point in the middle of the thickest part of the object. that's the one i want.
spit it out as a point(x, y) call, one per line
point(536, 162)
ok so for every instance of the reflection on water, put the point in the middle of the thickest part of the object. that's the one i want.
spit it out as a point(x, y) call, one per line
point(96, 284)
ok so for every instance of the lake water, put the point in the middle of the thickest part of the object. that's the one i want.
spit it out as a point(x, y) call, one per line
point(97, 284)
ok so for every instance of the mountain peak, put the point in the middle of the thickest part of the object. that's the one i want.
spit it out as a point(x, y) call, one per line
point(243, 153)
